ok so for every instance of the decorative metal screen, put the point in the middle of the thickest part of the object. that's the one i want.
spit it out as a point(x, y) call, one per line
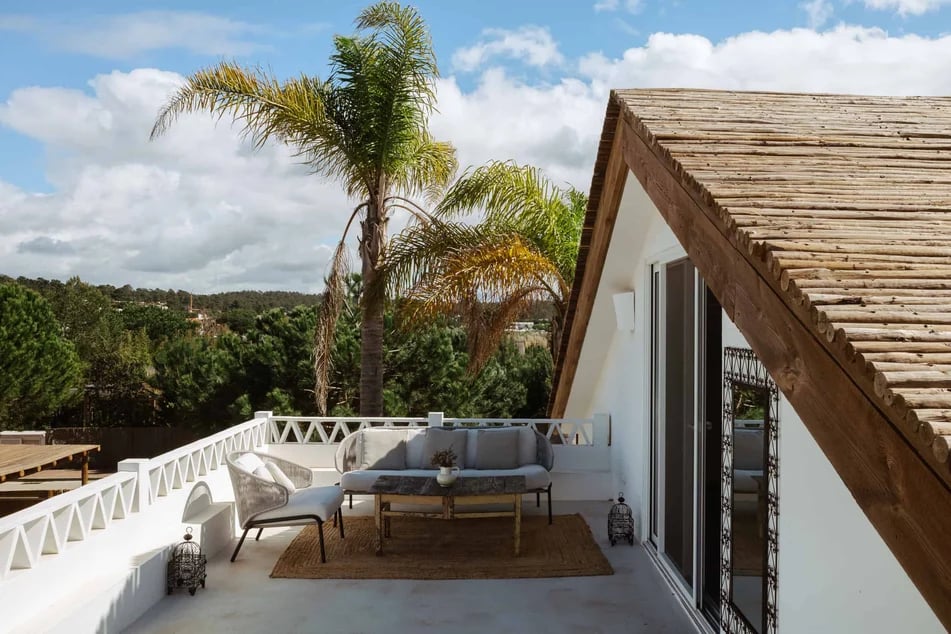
point(741, 367)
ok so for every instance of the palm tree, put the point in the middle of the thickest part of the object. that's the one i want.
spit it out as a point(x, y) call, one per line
point(523, 250)
point(366, 126)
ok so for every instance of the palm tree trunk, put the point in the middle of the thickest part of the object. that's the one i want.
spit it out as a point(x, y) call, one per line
point(371, 326)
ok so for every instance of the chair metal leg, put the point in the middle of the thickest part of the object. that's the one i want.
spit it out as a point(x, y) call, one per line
point(260, 530)
point(320, 531)
point(549, 504)
point(340, 513)
point(351, 501)
point(240, 541)
point(538, 498)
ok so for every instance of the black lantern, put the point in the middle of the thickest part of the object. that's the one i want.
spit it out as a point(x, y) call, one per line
point(186, 566)
point(621, 522)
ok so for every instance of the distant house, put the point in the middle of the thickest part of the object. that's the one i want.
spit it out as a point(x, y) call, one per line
point(781, 396)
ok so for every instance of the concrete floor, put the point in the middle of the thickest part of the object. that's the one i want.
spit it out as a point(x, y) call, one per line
point(241, 597)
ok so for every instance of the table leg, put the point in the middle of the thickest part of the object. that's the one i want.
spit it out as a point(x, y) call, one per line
point(518, 522)
point(85, 476)
point(378, 515)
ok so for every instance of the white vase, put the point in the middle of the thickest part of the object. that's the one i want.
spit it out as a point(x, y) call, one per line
point(447, 475)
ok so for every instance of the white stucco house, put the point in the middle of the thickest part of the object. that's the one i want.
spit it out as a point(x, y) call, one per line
point(763, 304)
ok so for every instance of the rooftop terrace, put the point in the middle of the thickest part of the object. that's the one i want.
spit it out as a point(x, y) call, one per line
point(98, 553)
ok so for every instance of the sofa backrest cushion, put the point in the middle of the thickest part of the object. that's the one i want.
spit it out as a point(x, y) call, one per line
point(527, 446)
point(437, 439)
point(496, 449)
point(384, 449)
point(415, 443)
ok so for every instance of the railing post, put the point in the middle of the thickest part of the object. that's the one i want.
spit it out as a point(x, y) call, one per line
point(271, 435)
point(143, 485)
point(602, 430)
point(435, 419)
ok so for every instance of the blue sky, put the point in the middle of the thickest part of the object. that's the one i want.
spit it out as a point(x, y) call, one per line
point(83, 192)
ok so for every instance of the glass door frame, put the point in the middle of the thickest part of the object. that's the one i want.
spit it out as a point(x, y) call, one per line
point(655, 273)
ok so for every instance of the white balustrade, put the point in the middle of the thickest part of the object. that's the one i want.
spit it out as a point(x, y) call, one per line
point(329, 430)
point(50, 526)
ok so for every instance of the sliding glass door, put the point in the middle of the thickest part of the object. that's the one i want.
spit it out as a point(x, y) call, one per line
point(685, 350)
point(675, 390)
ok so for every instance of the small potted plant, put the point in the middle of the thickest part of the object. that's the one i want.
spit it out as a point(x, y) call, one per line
point(445, 460)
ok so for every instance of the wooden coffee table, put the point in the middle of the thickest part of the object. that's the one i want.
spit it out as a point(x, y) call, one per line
point(465, 491)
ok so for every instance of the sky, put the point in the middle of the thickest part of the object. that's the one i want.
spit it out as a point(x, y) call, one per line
point(84, 192)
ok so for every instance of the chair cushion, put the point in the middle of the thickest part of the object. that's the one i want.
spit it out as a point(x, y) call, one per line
point(496, 449)
point(248, 462)
point(320, 501)
point(440, 439)
point(280, 477)
point(536, 476)
point(384, 449)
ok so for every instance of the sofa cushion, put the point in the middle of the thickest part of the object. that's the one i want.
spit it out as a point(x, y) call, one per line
point(384, 449)
point(440, 439)
point(415, 440)
point(536, 476)
point(362, 480)
point(280, 477)
point(527, 446)
point(496, 449)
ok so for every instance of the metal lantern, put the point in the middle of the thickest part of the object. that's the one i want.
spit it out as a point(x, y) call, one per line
point(186, 566)
point(621, 522)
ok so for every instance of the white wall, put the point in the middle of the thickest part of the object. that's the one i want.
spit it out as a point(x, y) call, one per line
point(835, 572)
point(613, 367)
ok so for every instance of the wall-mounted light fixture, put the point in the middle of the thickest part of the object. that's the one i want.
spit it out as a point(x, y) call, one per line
point(624, 310)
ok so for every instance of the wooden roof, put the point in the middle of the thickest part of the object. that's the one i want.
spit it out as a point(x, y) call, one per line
point(839, 205)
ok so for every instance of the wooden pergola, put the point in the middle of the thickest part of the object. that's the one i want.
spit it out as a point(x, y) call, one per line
point(17, 461)
point(822, 224)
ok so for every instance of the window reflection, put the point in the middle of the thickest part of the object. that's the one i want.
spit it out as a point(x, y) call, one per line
point(749, 504)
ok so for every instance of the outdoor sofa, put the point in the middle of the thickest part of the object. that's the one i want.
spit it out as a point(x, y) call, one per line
point(368, 454)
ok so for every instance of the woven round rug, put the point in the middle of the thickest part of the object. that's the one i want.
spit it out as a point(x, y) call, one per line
point(420, 548)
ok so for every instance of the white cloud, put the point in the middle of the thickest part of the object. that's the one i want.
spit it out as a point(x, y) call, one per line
point(631, 6)
point(127, 35)
point(198, 209)
point(907, 7)
point(847, 59)
point(531, 44)
point(195, 209)
point(818, 11)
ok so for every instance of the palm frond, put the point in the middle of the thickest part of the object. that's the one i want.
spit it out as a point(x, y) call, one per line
point(334, 300)
point(486, 326)
point(429, 168)
point(298, 112)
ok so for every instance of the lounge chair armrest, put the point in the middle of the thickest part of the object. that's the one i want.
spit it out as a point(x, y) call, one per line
point(254, 495)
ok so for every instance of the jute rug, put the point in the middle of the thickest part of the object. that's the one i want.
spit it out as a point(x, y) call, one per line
point(438, 549)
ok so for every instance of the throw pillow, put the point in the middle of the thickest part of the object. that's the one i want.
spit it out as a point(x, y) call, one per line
point(384, 449)
point(497, 449)
point(249, 462)
point(263, 473)
point(440, 439)
point(280, 477)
